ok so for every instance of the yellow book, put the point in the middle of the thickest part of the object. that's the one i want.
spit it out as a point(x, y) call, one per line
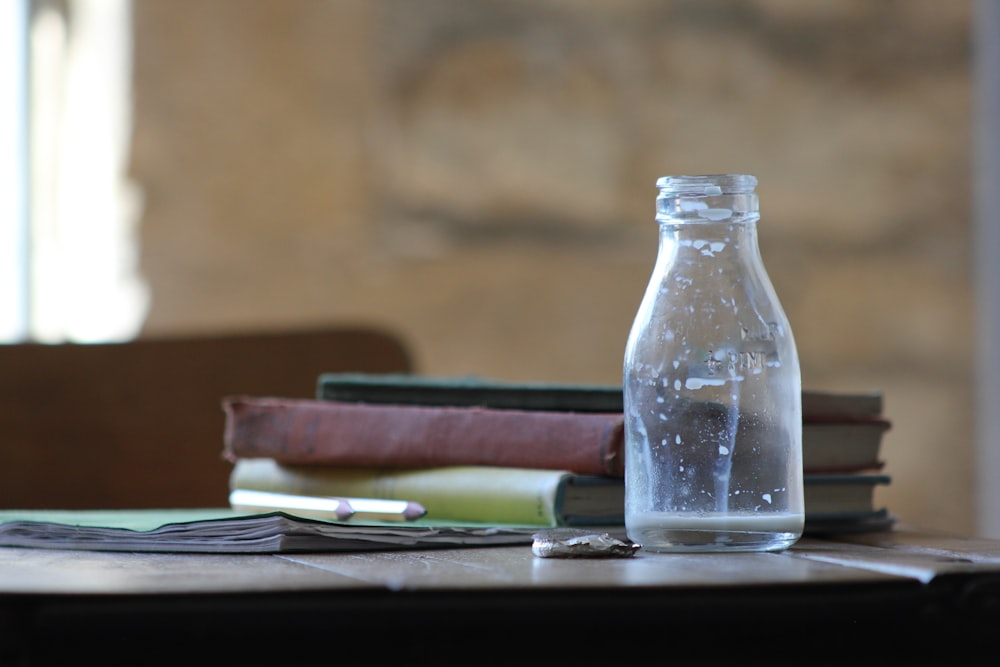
point(537, 497)
point(485, 494)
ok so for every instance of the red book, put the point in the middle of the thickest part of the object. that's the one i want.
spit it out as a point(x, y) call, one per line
point(326, 432)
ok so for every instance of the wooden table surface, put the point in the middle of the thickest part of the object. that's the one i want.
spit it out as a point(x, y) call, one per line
point(928, 591)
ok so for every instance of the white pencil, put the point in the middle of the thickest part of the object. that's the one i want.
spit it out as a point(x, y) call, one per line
point(326, 507)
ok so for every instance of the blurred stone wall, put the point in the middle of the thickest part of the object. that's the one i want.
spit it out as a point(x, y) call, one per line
point(478, 177)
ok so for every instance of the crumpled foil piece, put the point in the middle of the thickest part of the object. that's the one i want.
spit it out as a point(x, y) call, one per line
point(578, 543)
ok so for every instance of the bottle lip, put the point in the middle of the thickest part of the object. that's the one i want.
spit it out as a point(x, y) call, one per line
point(707, 185)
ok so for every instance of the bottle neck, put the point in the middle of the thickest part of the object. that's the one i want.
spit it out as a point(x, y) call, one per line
point(709, 240)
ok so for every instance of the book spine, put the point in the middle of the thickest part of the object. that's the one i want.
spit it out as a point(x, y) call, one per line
point(507, 496)
point(308, 431)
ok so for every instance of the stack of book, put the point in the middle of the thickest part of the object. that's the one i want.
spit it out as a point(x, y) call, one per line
point(477, 450)
point(842, 461)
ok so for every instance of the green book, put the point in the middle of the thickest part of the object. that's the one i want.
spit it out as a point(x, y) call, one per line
point(224, 530)
point(471, 390)
point(468, 391)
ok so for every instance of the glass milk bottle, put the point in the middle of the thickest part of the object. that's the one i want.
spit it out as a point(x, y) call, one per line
point(712, 387)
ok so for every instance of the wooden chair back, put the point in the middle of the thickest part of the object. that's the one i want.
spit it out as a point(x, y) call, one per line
point(140, 424)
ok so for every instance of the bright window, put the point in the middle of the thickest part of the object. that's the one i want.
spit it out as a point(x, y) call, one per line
point(13, 177)
point(70, 236)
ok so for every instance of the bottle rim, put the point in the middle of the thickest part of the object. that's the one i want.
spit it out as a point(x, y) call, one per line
point(702, 185)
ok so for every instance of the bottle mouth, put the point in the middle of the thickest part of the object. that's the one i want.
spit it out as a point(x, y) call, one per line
point(706, 185)
point(707, 198)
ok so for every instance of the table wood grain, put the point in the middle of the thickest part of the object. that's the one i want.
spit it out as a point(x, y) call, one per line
point(928, 592)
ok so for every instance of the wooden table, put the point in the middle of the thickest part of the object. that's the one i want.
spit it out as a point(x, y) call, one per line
point(903, 593)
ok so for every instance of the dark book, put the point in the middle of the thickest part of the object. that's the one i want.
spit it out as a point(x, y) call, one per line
point(832, 496)
point(843, 446)
point(863, 522)
point(818, 405)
